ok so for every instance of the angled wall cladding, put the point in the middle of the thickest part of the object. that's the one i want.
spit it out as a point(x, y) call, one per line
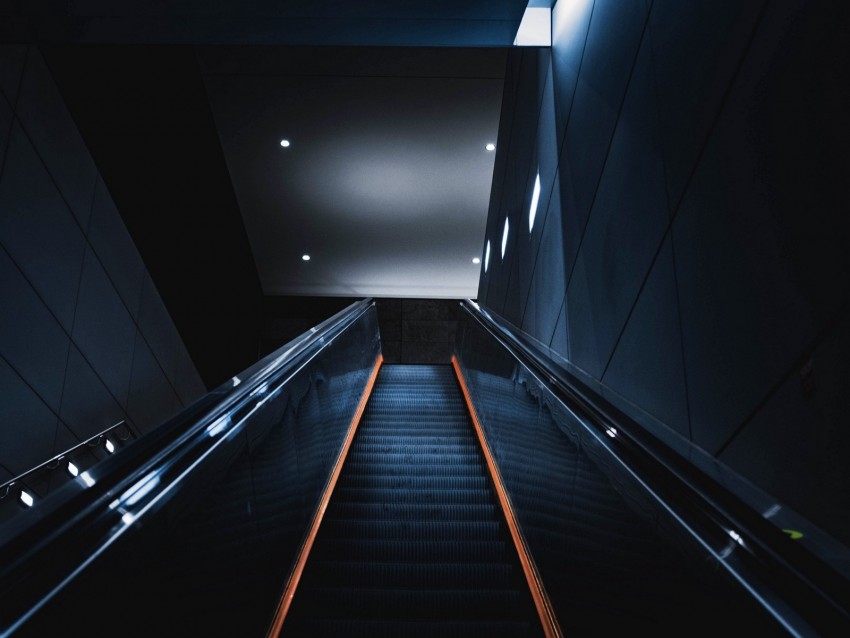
point(687, 252)
point(500, 287)
point(85, 340)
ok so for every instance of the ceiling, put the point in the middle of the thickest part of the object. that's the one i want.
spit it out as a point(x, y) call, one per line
point(386, 182)
point(388, 106)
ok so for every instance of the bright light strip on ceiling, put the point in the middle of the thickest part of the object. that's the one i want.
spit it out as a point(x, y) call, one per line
point(535, 198)
point(505, 237)
point(535, 29)
point(487, 256)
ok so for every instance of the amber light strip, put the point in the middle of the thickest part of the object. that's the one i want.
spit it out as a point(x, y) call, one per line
point(541, 601)
point(295, 577)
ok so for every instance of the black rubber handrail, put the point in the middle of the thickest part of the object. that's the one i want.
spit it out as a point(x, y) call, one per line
point(46, 547)
point(805, 594)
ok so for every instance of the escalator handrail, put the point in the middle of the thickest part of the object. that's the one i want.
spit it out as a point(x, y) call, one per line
point(77, 522)
point(800, 588)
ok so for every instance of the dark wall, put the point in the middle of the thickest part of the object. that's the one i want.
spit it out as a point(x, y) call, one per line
point(287, 317)
point(417, 330)
point(85, 339)
point(144, 113)
point(689, 253)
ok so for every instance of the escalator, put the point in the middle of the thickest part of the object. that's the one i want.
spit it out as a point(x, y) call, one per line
point(322, 493)
point(412, 543)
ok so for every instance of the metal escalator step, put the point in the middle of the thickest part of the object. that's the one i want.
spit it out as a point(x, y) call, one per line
point(415, 459)
point(441, 575)
point(382, 481)
point(404, 604)
point(413, 551)
point(414, 512)
point(456, 531)
point(456, 496)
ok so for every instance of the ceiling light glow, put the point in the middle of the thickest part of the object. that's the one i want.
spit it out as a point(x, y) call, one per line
point(476, 260)
point(110, 446)
point(305, 257)
point(26, 498)
point(535, 28)
point(505, 237)
point(284, 143)
point(490, 147)
point(487, 256)
point(72, 469)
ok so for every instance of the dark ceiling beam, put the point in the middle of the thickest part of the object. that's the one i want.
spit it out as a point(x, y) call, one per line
point(464, 23)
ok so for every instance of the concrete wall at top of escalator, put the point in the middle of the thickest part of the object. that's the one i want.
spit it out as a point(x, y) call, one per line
point(689, 252)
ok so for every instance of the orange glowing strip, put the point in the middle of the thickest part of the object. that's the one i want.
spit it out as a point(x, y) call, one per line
point(541, 600)
point(295, 577)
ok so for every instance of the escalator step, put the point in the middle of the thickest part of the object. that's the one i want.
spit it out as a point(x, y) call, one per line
point(407, 604)
point(449, 438)
point(426, 482)
point(407, 551)
point(322, 628)
point(455, 496)
point(443, 575)
point(456, 531)
point(420, 469)
point(417, 459)
point(407, 512)
point(390, 445)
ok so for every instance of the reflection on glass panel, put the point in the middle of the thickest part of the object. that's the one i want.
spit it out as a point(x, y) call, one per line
point(212, 557)
point(612, 561)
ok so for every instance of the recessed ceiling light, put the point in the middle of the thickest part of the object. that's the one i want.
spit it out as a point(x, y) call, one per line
point(110, 446)
point(284, 143)
point(305, 257)
point(476, 260)
point(490, 147)
point(26, 498)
